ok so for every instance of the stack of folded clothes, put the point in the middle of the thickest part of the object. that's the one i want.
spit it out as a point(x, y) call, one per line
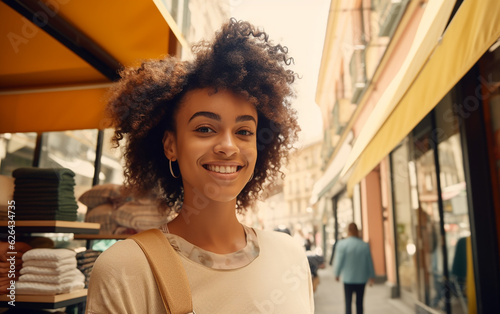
point(45, 194)
point(119, 213)
point(85, 261)
point(49, 272)
point(10, 263)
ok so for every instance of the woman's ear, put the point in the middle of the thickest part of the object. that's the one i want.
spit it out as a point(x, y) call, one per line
point(169, 147)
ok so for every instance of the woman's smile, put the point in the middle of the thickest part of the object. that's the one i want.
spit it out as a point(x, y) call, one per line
point(225, 169)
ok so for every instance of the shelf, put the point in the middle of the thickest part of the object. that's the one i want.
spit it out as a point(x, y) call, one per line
point(101, 236)
point(52, 226)
point(47, 301)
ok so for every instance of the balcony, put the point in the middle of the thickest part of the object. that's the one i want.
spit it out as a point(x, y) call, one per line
point(357, 69)
point(390, 13)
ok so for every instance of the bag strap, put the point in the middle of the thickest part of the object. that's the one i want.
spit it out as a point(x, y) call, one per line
point(168, 271)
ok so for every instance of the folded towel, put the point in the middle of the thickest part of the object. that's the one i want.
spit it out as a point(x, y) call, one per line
point(4, 273)
point(5, 280)
point(18, 261)
point(47, 288)
point(42, 173)
point(86, 269)
point(48, 254)
point(65, 277)
point(139, 215)
point(84, 261)
point(88, 253)
point(102, 214)
point(51, 264)
point(46, 270)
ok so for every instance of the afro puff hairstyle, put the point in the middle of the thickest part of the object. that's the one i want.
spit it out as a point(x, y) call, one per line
point(144, 102)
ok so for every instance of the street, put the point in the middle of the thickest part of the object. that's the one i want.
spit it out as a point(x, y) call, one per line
point(329, 297)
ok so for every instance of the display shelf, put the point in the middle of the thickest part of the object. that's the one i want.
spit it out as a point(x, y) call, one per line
point(52, 226)
point(47, 301)
point(101, 236)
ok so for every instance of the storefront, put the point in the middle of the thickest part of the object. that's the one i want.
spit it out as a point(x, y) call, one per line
point(437, 127)
point(431, 212)
point(441, 137)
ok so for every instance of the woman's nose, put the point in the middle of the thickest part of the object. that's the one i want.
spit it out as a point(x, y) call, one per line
point(226, 145)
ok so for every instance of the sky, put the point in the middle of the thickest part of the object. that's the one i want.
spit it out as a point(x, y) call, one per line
point(300, 25)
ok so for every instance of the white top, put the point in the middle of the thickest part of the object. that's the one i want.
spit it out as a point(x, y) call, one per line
point(275, 279)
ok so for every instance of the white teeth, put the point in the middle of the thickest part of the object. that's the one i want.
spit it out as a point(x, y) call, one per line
point(222, 169)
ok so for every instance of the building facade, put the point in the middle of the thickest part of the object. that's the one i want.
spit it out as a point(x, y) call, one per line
point(408, 92)
point(286, 206)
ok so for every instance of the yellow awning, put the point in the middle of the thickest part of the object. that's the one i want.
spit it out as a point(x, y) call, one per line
point(474, 28)
point(45, 86)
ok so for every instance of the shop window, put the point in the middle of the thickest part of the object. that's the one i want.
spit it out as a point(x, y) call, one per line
point(111, 160)
point(426, 217)
point(406, 242)
point(431, 212)
point(428, 182)
point(454, 198)
point(16, 151)
point(490, 79)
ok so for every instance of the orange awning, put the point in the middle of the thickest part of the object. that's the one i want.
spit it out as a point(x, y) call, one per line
point(45, 85)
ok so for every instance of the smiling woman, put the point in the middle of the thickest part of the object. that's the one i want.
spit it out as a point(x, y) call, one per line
point(208, 136)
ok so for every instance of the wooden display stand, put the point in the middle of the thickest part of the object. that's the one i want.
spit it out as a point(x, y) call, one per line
point(73, 299)
point(47, 301)
point(52, 226)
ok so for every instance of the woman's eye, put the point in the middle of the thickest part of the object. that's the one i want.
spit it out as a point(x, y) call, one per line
point(204, 129)
point(245, 132)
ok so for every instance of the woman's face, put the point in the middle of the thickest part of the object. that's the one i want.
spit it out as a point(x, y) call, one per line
point(215, 144)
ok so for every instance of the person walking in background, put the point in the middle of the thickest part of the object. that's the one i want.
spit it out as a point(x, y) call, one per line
point(353, 262)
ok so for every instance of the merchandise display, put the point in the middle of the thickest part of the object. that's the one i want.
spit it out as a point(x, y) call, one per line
point(48, 272)
point(85, 262)
point(118, 213)
point(45, 194)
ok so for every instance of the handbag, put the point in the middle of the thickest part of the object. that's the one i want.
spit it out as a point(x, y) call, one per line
point(168, 271)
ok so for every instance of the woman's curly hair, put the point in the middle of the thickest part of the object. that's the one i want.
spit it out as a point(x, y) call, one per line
point(240, 59)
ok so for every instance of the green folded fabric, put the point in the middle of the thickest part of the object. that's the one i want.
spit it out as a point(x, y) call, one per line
point(65, 217)
point(62, 197)
point(37, 182)
point(43, 173)
point(44, 189)
point(47, 206)
point(44, 185)
point(45, 209)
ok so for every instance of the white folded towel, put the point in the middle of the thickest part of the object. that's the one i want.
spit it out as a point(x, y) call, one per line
point(51, 264)
point(47, 288)
point(46, 270)
point(48, 254)
point(68, 276)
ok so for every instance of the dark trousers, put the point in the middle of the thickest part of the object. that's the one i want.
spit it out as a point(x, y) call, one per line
point(349, 289)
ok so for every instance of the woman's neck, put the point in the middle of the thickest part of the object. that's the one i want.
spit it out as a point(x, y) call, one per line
point(213, 227)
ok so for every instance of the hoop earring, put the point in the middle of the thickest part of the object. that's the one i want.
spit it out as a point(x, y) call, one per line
point(171, 171)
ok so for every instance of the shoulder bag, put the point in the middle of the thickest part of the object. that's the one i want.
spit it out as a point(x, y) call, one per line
point(168, 271)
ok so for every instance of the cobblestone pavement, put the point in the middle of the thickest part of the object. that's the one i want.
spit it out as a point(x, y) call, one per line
point(329, 298)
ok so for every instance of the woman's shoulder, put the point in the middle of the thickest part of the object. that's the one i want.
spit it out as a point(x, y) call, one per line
point(277, 240)
point(121, 254)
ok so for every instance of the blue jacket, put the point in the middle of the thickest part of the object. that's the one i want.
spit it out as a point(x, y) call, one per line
point(353, 261)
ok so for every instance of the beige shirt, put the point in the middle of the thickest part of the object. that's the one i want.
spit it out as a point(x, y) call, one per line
point(277, 280)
